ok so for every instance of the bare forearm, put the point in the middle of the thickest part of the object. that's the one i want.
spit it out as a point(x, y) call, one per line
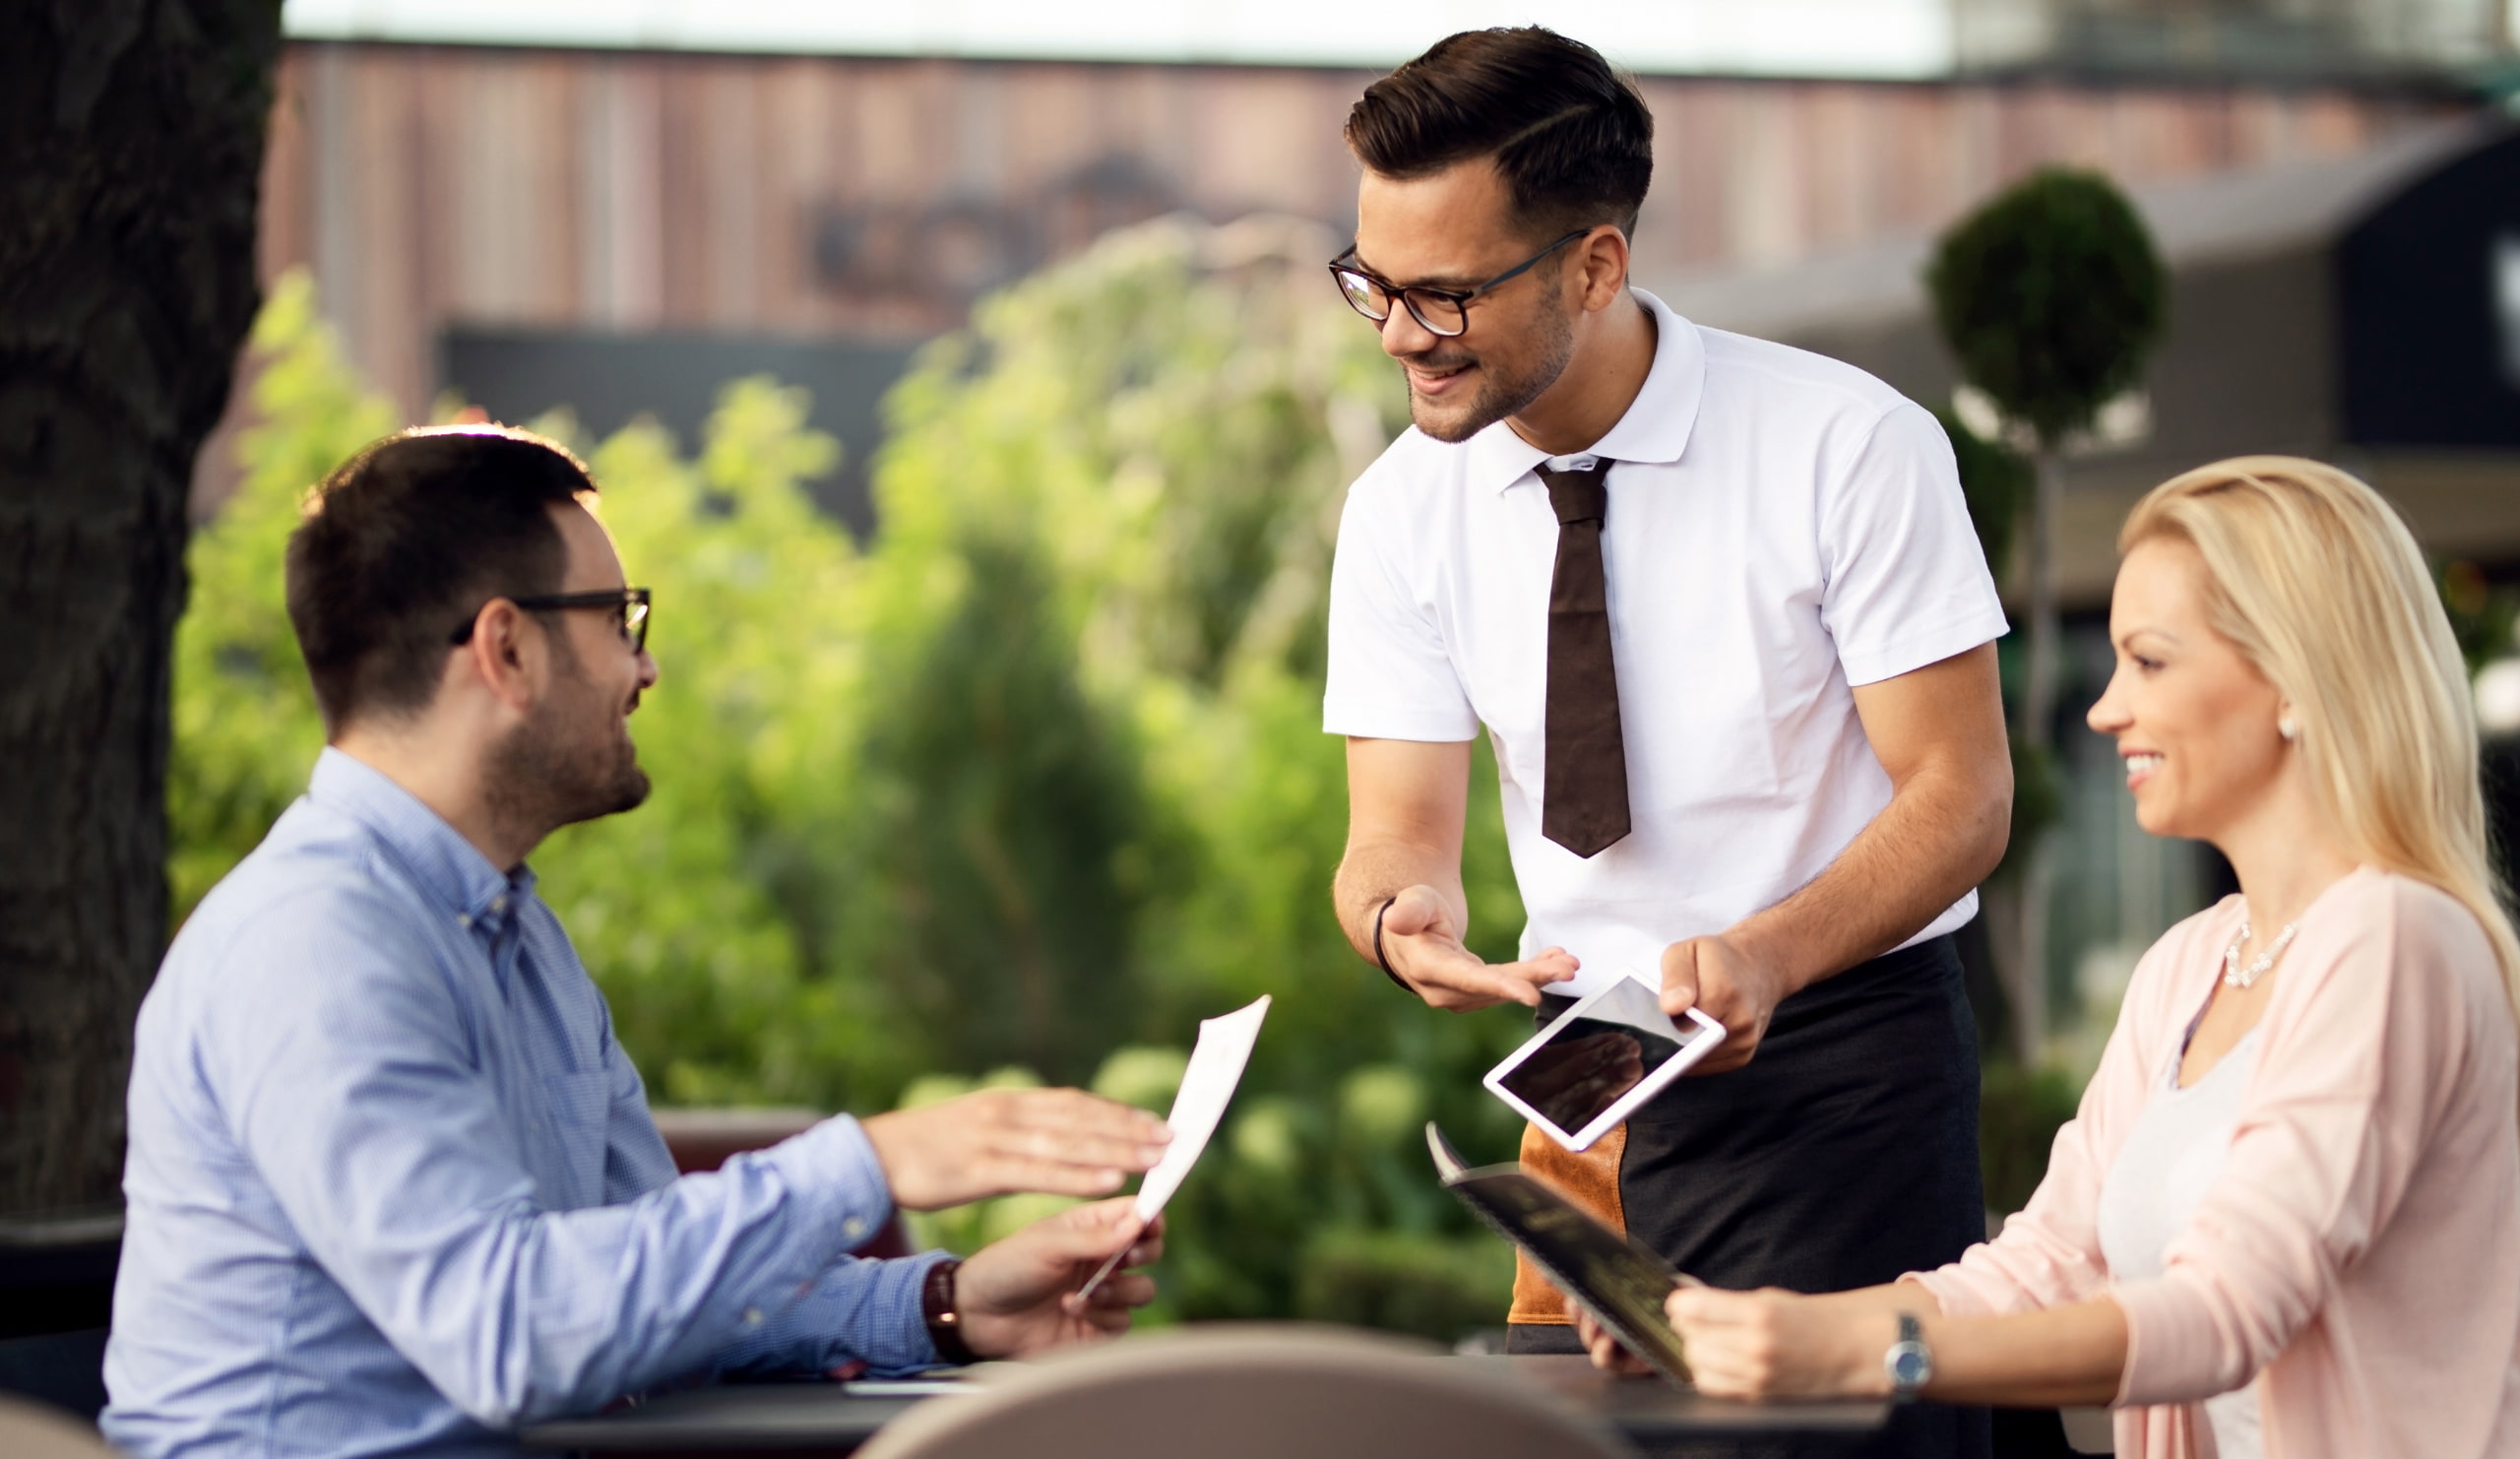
point(1940, 835)
point(1374, 871)
point(1407, 804)
point(1768, 1343)
point(2073, 1356)
point(2070, 1355)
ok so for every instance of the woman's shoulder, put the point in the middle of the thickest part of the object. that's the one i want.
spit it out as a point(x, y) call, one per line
point(2406, 936)
point(2399, 913)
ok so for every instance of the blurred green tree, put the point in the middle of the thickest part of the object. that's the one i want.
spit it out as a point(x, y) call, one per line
point(2051, 297)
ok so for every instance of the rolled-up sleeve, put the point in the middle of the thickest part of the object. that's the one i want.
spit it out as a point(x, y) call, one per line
point(343, 1058)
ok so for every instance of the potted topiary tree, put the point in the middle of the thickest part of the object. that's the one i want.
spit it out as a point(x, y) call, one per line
point(2050, 297)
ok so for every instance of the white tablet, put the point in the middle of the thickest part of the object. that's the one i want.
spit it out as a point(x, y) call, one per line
point(1609, 1054)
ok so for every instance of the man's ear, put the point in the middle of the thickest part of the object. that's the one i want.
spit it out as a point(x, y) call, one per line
point(1603, 261)
point(507, 655)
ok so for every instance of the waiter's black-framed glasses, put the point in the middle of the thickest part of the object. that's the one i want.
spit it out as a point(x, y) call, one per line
point(630, 605)
point(1444, 312)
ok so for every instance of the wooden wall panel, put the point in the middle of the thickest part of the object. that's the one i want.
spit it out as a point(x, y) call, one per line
point(625, 190)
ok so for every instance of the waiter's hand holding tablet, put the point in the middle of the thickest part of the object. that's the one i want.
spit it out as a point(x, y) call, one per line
point(1584, 1074)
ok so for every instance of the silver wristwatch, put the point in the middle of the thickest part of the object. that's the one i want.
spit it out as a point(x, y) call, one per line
point(1910, 1363)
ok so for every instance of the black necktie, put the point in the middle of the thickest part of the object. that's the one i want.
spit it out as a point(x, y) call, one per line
point(1583, 804)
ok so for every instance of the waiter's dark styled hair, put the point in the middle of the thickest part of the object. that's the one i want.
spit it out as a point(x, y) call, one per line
point(405, 542)
point(1569, 133)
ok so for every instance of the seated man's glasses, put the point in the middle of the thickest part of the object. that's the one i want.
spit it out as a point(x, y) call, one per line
point(629, 607)
point(1443, 311)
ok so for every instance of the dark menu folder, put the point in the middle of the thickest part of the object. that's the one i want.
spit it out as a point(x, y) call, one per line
point(1619, 1281)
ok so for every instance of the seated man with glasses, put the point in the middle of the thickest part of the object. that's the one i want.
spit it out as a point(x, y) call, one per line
point(393, 1186)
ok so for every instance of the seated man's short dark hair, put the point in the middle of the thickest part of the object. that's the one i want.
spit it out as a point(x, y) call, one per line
point(1569, 133)
point(405, 542)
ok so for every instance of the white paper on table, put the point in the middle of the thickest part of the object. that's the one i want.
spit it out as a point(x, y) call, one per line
point(1206, 1086)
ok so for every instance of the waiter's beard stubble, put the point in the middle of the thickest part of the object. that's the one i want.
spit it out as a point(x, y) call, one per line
point(572, 761)
point(1503, 390)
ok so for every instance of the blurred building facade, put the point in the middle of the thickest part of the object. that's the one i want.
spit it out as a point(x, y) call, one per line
point(452, 201)
point(2264, 38)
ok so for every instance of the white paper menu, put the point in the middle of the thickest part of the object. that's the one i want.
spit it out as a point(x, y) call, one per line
point(1207, 1087)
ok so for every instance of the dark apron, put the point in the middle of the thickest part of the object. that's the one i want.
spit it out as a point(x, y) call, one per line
point(1844, 1154)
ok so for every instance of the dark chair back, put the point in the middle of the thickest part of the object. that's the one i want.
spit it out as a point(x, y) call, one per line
point(56, 1298)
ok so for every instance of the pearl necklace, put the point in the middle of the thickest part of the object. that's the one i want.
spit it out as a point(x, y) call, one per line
point(2236, 975)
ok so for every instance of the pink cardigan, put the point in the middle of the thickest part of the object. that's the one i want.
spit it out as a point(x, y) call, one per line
point(2359, 1255)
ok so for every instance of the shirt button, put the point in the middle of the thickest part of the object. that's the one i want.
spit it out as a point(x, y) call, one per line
point(752, 1316)
point(498, 904)
point(464, 918)
point(853, 1227)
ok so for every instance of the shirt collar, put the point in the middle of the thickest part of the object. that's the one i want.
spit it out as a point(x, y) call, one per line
point(1655, 429)
point(450, 870)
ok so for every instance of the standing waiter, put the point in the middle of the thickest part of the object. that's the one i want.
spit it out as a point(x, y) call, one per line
point(1719, 605)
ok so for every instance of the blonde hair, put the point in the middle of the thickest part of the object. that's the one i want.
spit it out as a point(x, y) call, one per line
point(2320, 586)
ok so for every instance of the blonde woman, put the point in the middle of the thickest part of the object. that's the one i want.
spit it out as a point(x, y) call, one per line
point(2286, 1220)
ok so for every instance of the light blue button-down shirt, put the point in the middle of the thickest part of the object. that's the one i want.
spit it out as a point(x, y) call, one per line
point(393, 1187)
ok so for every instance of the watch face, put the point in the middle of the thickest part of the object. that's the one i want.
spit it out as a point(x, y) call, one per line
point(1910, 1365)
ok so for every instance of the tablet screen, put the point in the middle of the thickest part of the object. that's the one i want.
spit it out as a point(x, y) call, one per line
point(1622, 1282)
point(1623, 1287)
point(1586, 1063)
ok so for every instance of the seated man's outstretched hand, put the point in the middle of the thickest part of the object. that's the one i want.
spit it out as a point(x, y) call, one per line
point(1018, 1296)
point(997, 1141)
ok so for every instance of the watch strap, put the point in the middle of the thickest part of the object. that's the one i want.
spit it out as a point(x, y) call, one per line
point(944, 1321)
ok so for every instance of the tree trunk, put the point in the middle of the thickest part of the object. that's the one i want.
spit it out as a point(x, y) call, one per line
point(2039, 685)
point(134, 141)
point(2027, 965)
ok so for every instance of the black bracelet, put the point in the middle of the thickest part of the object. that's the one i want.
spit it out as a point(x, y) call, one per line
point(944, 1323)
point(1382, 960)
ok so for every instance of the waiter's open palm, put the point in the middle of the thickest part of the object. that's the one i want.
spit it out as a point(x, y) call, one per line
point(1422, 940)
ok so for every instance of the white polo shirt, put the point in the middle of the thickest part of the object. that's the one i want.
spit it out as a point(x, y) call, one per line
point(1781, 527)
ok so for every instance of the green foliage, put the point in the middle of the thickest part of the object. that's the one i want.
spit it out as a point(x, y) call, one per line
point(999, 881)
point(2038, 804)
point(2481, 614)
point(1437, 1288)
point(2019, 1112)
point(2051, 297)
point(1996, 482)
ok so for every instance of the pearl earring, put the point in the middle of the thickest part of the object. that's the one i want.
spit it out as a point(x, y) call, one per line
point(2285, 727)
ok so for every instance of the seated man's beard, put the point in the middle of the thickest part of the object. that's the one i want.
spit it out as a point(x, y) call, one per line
point(571, 762)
